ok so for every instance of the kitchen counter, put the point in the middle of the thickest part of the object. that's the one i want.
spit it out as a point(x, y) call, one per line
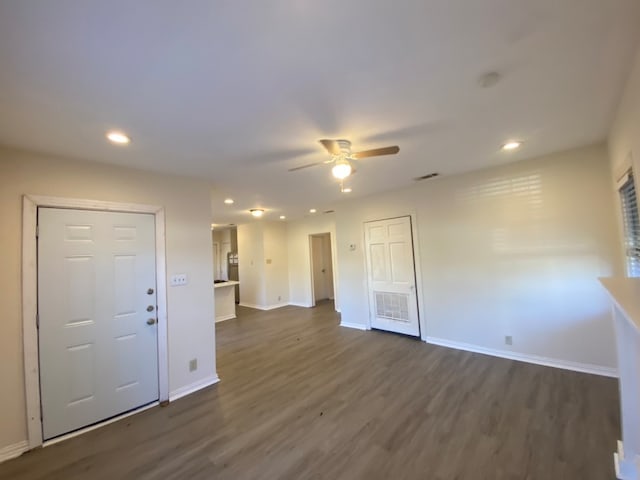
point(225, 300)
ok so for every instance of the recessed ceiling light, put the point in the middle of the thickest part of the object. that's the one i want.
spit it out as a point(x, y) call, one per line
point(118, 138)
point(228, 201)
point(257, 212)
point(313, 210)
point(346, 190)
point(512, 145)
point(282, 217)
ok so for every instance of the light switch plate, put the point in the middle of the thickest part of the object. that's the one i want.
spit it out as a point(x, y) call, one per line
point(179, 280)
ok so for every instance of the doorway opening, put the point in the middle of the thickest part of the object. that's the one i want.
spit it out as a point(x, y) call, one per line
point(322, 284)
point(225, 257)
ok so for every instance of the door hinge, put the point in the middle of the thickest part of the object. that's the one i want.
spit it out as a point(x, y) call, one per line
point(38, 321)
point(41, 414)
point(37, 231)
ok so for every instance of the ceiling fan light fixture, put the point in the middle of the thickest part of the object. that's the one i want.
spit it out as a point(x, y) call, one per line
point(257, 212)
point(342, 169)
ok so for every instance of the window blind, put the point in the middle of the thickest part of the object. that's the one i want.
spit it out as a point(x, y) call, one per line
point(631, 226)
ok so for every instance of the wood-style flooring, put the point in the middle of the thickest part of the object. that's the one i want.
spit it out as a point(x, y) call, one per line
point(302, 398)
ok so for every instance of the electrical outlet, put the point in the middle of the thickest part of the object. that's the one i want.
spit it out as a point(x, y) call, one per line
point(193, 365)
point(508, 340)
point(179, 280)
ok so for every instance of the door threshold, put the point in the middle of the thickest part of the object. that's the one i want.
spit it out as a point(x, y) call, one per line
point(95, 426)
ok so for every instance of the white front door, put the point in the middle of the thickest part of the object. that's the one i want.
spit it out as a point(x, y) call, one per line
point(97, 314)
point(391, 274)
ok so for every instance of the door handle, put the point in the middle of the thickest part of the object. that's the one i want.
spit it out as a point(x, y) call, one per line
point(151, 321)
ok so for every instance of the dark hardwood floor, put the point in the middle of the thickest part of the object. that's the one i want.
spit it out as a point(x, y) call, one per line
point(302, 398)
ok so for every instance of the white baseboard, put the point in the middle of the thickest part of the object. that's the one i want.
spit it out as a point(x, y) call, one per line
point(523, 357)
point(305, 305)
point(13, 451)
point(192, 388)
point(226, 317)
point(357, 326)
point(264, 307)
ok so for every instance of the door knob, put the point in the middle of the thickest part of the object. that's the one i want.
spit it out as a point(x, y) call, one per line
point(150, 308)
point(151, 321)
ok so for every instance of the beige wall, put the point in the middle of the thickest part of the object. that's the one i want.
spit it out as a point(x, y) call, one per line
point(188, 249)
point(513, 250)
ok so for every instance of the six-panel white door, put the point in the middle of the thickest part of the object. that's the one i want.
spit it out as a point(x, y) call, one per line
point(97, 316)
point(391, 276)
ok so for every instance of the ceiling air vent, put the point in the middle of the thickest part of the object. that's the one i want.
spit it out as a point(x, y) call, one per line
point(329, 211)
point(425, 177)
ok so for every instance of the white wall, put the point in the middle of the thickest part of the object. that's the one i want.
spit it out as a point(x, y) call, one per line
point(251, 264)
point(300, 283)
point(513, 250)
point(624, 140)
point(263, 264)
point(624, 137)
point(276, 266)
point(187, 206)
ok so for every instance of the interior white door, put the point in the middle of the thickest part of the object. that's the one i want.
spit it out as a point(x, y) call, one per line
point(97, 316)
point(391, 274)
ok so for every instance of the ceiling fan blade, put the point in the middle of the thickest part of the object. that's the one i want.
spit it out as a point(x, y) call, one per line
point(376, 152)
point(331, 145)
point(305, 166)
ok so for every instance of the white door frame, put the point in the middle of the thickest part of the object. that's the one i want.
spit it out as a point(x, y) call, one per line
point(30, 204)
point(416, 268)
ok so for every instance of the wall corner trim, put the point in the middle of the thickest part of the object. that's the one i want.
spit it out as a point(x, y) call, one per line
point(355, 326)
point(13, 451)
point(193, 387)
point(528, 358)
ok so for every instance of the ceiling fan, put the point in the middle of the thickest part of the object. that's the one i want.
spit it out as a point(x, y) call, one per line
point(341, 156)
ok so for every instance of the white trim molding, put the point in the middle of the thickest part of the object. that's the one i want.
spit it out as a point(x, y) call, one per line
point(231, 316)
point(523, 357)
point(194, 387)
point(13, 451)
point(264, 307)
point(303, 305)
point(30, 205)
point(355, 326)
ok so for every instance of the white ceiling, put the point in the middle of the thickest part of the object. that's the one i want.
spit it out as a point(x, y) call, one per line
point(240, 91)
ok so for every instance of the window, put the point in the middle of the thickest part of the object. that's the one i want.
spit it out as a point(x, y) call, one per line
point(631, 225)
